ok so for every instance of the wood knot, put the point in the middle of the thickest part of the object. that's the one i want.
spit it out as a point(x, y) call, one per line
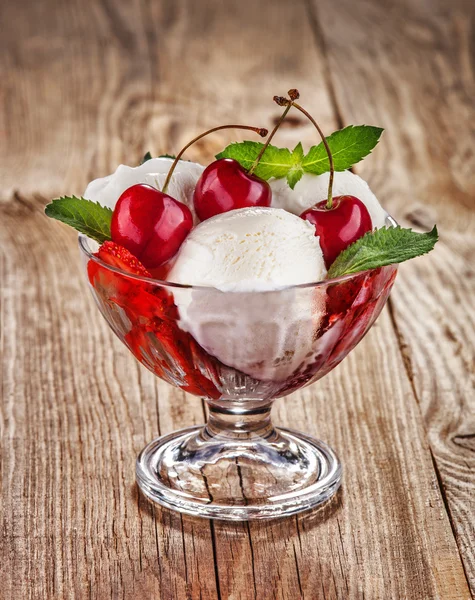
point(289, 121)
point(419, 217)
point(465, 441)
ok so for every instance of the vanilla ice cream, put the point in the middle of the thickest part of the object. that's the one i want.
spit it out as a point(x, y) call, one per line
point(107, 190)
point(250, 249)
point(267, 335)
point(314, 188)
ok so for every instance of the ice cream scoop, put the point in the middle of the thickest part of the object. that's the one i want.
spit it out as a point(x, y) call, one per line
point(268, 336)
point(107, 190)
point(314, 188)
point(250, 249)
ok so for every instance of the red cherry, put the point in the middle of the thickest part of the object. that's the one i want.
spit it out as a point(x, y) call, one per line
point(339, 226)
point(150, 224)
point(225, 185)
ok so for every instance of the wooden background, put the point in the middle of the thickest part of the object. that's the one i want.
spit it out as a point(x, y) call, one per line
point(89, 84)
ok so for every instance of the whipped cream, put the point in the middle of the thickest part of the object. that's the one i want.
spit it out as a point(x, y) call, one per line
point(314, 188)
point(107, 190)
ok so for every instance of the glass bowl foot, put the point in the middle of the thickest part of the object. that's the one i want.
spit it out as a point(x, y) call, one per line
point(209, 474)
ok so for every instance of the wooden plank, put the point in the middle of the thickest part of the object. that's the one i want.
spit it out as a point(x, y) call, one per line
point(77, 413)
point(85, 121)
point(422, 92)
point(76, 410)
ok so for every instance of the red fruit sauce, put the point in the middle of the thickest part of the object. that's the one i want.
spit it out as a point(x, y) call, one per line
point(146, 318)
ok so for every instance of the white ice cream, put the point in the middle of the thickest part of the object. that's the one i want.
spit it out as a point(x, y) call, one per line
point(107, 190)
point(266, 335)
point(313, 188)
point(250, 249)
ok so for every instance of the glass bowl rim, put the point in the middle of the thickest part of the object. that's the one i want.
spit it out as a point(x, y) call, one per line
point(85, 249)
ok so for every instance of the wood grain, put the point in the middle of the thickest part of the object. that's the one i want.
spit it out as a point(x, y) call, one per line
point(425, 176)
point(90, 84)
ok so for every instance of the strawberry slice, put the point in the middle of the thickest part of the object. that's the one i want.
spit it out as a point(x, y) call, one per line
point(168, 352)
point(145, 303)
point(140, 301)
point(115, 286)
point(154, 338)
point(120, 257)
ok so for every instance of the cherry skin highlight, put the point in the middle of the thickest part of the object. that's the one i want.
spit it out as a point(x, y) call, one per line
point(339, 226)
point(150, 224)
point(225, 185)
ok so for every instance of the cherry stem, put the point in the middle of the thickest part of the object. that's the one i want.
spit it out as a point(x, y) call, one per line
point(268, 141)
point(281, 101)
point(329, 204)
point(260, 131)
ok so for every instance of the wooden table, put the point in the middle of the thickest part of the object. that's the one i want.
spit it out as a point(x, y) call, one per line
point(87, 85)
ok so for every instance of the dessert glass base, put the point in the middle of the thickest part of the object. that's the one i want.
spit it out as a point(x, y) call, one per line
point(238, 467)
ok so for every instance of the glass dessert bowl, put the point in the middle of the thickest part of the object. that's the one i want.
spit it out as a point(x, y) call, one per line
point(239, 351)
point(241, 282)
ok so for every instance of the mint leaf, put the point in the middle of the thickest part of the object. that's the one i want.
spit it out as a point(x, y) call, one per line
point(297, 154)
point(348, 146)
point(296, 171)
point(84, 215)
point(294, 176)
point(275, 162)
point(147, 156)
point(383, 247)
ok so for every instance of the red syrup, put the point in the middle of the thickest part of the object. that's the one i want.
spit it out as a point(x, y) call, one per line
point(352, 307)
point(145, 317)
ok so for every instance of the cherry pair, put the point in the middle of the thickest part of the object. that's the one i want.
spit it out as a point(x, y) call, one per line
point(153, 225)
point(338, 221)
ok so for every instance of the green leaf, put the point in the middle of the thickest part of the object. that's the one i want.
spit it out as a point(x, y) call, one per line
point(86, 216)
point(294, 176)
point(172, 156)
point(275, 162)
point(296, 171)
point(147, 156)
point(297, 154)
point(383, 247)
point(348, 146)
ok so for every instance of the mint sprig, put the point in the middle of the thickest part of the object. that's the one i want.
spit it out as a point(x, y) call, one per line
point(147, 156)
point(296, 169)
point(348, 146)
point(86, 216)
point(275, 162)
point(383, 247)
